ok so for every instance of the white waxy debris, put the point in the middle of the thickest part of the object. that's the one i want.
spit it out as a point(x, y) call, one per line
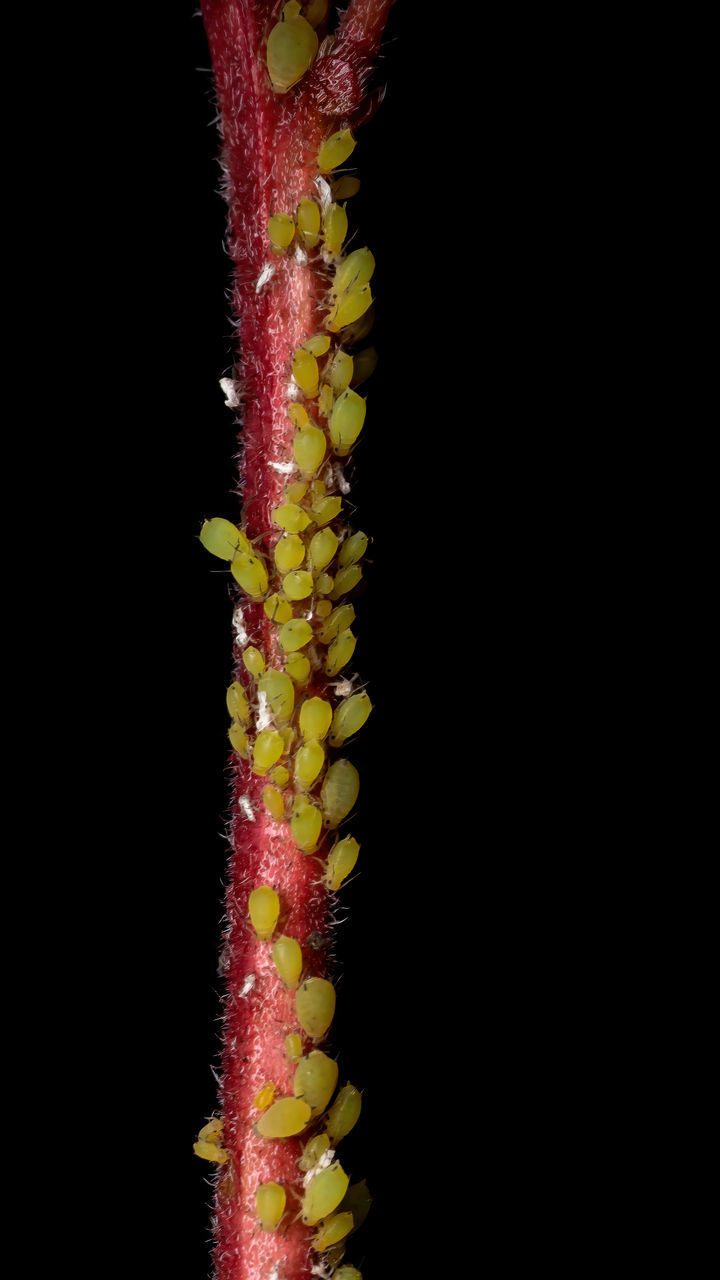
point(323, 1162)
point(339, 478)
point(300, 255)
point(245, 804)
point(343, 688)
point(264, 715)
point(247, 986)
point(285, 468)
point(241, 635)
point(266, 274)
point(229, 390)
point(324, 192)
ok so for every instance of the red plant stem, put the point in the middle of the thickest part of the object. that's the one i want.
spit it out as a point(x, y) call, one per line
point(269, 147)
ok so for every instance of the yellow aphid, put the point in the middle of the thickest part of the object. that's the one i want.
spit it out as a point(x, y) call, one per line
point(340, 371)
point(309, 447)
point(267, 750)
point(277, 608)
point(349, 307)
point(274, 803)
point(332, 1230)
point(315, 1006)
point(309, 762)
point(353, 549)
point(264, 908)
point(341, 860)
point(284, 1118)
point(288, 960)
point(323, 608)
point(346, 421)
point(291, 47)
point(289, 552)
point(306, 825)
point(317, 345)
point(270, 1200)
point(349, 717)
point(212, 1131)
point(325, 400)
point(253, 660)
point(295, 634)
point(326, 509)
point(308, 222)
point(315, 1079)
point(298, 667)
point(335, 150)
point(325, 1193)
point(291, 517)
point(340, 652)
point(211, 1151)
point(316, 11)
point(279, 690)
point(323, 546)
point(293, 1046)
point(314, 1151)
point(344, 187)
point(305, 372)
point(343, 1114)
point(340, 619)
point(335, 228)
point(223, 539)
point(347, 1273)
point(280, 775)
point(339, 791)
point(287, 733)
point(250, 573)
point(265, 1097)
point(319, 489)
point(365, 365)
point(239, 740)
point(354, 271)
point(324, 584)
point(281, 230)
point(295, 493)
point(345, 580)
point(237, 703)
point(358, 1202)
point(298, 585)
point(315, 718)
point(298, 415)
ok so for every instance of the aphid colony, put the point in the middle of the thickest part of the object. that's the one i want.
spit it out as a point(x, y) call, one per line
point(279, 725)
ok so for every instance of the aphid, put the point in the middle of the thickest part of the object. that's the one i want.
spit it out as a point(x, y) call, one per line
point(343, 1114)
point(277, 608)
point(323, 608)
point(339, 791)
point(340, 652)
point(325, 1193)
point(305, 372)
point(293, 1046)
point(309, 762)
point(288, 960)
point(270, 1200)
point(295, 634)
point(353, 549)
point(365, 365)
point(287, 733)
point(296, 491)
point(324, 584)
point(358, 1202)
point(344, 187)
point(250, 573)
point(291, 47)
point(237, 703)
point(354, 271)
point(212, 1131)
point(308, 222)
point(315, 718)
point(253, 660)
point(306, 824)
point(315, 11)
point(284, 1118)
point(335, 150)
point(281, 230)
point(340, 619)
point(323, 546)
point(265, 1097)
point(298, 415)
point(274, 803)
point(350, 307)
point(290, 517)
point(280, 775)
point(332, 1230)
point(297, 585)
point(279, 691)
point(315, 1006)
point(349, 717)
point(315, 1079)
point(309, 447)
point(267, 750)
point(346, 421)
point(264, 909)
point(239, 740)
point(317, 345)
point(341, 860)
point(223, 539)
point(340, 371)
point(345, 580)
point(211, 1151)
point(335, 228)
point(326, 509)
point(289, 552)
point(297, 666)
point(314, 1150)
point(325, 400)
